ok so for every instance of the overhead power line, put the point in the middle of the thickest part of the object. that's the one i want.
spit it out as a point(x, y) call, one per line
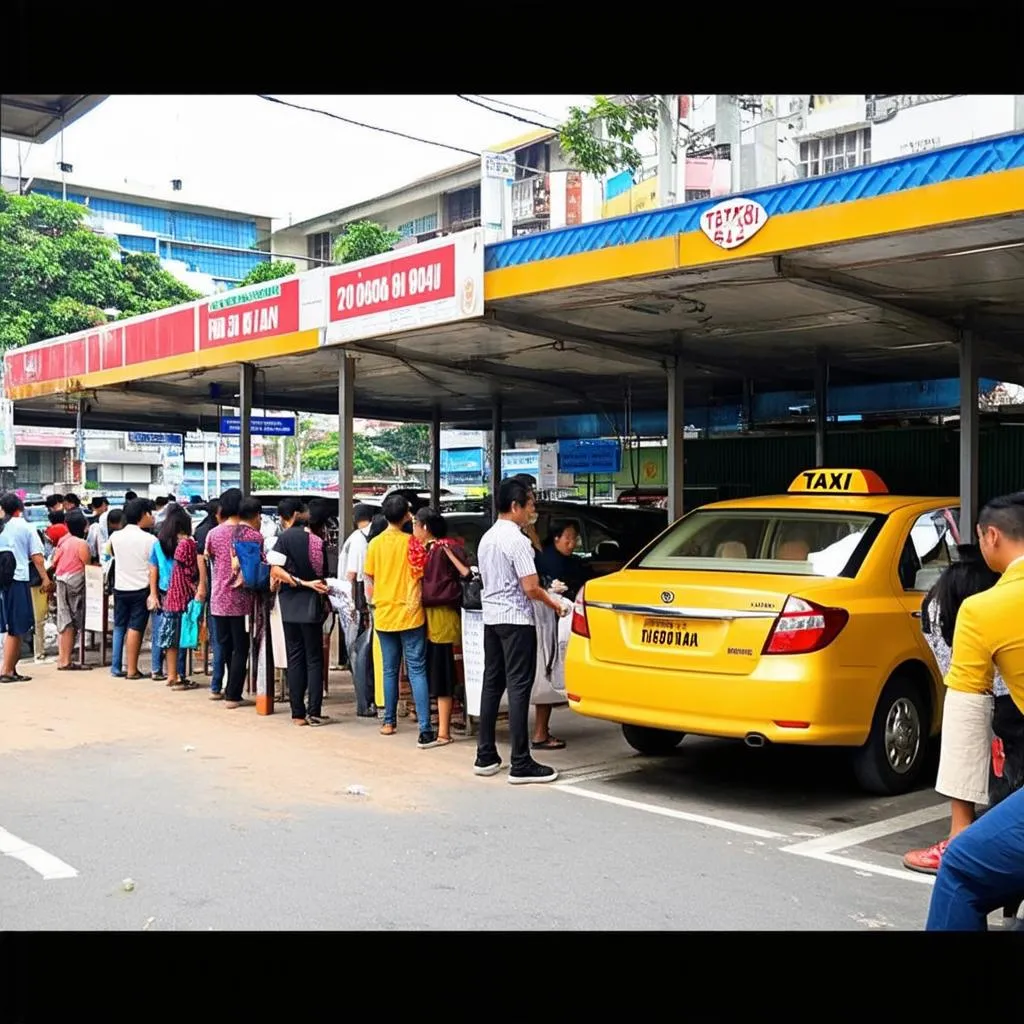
point(506, 113)
point(516, 106)
point(370, 127)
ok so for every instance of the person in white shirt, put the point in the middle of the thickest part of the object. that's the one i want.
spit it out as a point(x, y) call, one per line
point(351, 560)
point(131, 547)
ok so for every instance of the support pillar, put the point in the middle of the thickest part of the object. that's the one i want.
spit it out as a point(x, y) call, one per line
point(346, 412)
point(820, 408)
point(246, 380)
point(676, 426)
point(968, 437)
point(435, 458)
point(495, 454)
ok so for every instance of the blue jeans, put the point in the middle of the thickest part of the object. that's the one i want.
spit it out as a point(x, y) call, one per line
point(217, 668)
point(412, 643)
point(981, 870)
point(156, 652)
point(117, 653)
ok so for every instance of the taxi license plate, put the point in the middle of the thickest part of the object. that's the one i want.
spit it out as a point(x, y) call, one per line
point(669, 633)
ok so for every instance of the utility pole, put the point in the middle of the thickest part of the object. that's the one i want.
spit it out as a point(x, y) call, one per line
point(668, 140)
point(727, 131)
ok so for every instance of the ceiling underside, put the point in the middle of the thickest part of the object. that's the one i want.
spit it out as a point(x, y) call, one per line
point(40, 118)
point(881, 310)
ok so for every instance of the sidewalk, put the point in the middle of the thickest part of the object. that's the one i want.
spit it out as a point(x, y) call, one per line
point(267, 757)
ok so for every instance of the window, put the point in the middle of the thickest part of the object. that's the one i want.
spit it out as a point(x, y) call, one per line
point(835, 153)
point(930, 548)
point(766, 541)
point(693, 194)
point(419, 226)
point(462, 208)
point(318, 247)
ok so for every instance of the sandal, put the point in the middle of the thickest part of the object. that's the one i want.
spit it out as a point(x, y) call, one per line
point(74, 668)
point(549, 744)
point(216, 696)
point(184, 684)
point(158, 677)
point(135, 675)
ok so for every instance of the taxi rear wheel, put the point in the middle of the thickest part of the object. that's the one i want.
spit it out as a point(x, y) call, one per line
point(892, 760)
point(653, 742)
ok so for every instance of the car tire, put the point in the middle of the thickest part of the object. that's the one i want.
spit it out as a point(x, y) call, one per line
point(652, 742)
point(894, 757)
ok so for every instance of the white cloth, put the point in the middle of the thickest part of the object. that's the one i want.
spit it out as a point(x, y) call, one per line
point(131, 548)
point(552, 639)
point(966, 747)
point(353, 554)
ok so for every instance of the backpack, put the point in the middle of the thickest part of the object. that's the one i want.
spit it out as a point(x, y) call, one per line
point(8, 564)
point(248, 553)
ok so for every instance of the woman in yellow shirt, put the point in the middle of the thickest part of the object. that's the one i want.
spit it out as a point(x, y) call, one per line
point(441, 564)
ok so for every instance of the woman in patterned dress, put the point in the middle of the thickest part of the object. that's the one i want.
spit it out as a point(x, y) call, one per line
point(188, 583)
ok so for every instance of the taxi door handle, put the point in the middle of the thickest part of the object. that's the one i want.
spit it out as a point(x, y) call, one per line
point(917, 615)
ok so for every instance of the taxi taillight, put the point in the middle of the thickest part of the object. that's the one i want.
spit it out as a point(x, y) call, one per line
point(803, 628)
point(580, 626)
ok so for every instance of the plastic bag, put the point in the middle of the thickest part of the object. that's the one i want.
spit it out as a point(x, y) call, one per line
point(189, 639)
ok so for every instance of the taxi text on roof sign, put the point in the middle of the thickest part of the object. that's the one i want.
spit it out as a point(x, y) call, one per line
point(838, 481)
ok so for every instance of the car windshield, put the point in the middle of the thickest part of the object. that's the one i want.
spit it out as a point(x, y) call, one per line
point(791, 543)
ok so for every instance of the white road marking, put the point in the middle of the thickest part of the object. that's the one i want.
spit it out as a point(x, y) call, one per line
point(865, 833)
point(44, 863)
point(864, 867)
point(667, 812)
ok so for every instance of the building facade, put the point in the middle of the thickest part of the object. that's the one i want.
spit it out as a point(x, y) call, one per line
point(210, 249)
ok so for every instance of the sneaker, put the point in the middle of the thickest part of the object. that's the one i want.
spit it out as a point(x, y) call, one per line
point(487, 767)
point(927, 860)
point(532, 773)
point(318, 719)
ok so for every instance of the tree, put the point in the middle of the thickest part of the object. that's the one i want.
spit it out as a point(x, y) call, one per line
point(367, 458)
point(622, 123)
point(264, 480)
point(268, 271)
point(408, 443)
point(364, 239)
point(58, 276)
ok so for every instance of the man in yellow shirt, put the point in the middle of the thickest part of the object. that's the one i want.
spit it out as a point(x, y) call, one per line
point(398, 617)
point(983, 867)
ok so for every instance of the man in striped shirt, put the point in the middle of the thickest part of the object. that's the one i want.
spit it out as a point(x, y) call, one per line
point(510, 586)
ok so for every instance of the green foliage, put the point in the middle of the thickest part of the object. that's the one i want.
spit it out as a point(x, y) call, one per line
point(364, 239)
point(367, 459)
point(622, 123)
point(268, 271)
point(58, 276)
point(408, 443)
point(264, 480)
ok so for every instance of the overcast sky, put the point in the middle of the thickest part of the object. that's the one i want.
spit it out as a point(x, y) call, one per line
point(245, 153)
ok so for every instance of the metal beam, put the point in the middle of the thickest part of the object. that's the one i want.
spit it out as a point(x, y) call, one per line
point(968, 437)
point(435, 458)
point(832, 283)
point(495, 454)
point(246, 380)
point(820, 407)
point(346, 449)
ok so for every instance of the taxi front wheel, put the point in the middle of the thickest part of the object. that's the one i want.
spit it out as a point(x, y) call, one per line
point(892, 760)
point(653, 742)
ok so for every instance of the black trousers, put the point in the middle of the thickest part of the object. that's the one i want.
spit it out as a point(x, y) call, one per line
point(234, 647)
point(304, 642)
point(510, 661)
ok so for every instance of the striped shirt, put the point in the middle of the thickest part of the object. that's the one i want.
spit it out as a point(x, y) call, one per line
point(505, 556)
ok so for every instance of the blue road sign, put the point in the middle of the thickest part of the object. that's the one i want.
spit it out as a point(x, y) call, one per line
point(260, 426)
point(600, 455)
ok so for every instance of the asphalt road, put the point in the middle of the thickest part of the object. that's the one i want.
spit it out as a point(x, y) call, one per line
point(168, 812)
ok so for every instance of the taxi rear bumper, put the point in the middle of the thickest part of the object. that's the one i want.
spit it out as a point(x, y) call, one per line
point(803, 699)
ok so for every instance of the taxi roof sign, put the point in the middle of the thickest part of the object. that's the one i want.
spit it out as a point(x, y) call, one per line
point(838, 481)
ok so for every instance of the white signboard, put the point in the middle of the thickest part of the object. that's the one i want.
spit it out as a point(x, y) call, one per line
point(94, 598)
point(499, 165)
point(733, 222)
point(436, 282)
point(473, 661)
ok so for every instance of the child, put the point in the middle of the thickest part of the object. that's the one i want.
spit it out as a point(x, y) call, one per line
point(960, 779)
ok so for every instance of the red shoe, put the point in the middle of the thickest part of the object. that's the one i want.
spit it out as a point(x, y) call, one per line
point(927, 860)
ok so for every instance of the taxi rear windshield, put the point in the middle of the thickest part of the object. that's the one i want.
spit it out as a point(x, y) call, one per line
point(805, 543)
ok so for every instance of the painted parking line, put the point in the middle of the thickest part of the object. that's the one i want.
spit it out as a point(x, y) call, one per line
point(668, 812)
point(824, 848)
point(37, 859)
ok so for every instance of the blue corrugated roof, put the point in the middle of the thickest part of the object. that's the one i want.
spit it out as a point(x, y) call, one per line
point(969, 160)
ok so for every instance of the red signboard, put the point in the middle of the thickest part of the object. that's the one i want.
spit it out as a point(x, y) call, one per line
point(248, 314)
point(169, 334)
point(393, 284)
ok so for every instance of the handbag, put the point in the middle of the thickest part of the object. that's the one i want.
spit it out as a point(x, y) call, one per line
point(472, 591)
point(189, 637)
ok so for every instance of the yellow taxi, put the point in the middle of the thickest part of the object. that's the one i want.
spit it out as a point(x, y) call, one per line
point(793, 618)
